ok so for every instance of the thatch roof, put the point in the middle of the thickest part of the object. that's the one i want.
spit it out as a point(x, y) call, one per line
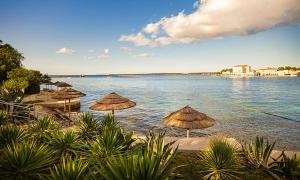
point(50, 83)
point(62, 84)
point(188, 118)
point(67, 93)
point(112, 101)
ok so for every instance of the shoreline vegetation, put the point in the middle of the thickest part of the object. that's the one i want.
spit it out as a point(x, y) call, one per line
point(86, 147)
point(99, 148)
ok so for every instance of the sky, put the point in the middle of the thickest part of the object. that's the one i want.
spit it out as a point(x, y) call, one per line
point(157, 36)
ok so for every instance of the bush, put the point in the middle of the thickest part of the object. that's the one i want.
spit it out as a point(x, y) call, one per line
point(11, 134)
point(89, 127)
point(26, 160)
point(287, 167)
point(43, 129)
point(4, 118)
point(152, 162)
point(70, 169)
point(65, 144)
point(220, 161)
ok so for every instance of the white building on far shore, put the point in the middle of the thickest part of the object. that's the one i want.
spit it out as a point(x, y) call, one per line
point(242, 70)
point(269, 71)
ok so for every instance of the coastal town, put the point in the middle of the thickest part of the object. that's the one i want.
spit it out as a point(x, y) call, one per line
point(245, 70)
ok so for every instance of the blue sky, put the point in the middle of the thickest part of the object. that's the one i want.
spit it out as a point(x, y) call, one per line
point(84, 37)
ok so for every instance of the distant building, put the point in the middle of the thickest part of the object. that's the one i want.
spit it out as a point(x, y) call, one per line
point(288, 73)
point(267, 71)
point(242, 70)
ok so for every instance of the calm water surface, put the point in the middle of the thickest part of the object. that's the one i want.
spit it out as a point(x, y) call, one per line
point(243, 107)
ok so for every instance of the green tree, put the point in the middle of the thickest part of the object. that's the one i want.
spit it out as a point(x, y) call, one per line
point(13, 90)
point(10, 59)
point(34, 78)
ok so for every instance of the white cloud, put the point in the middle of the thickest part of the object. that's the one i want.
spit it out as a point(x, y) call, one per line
point(65, 51)
point(104, 54)
point(144, 55)
point(91, 50)
point(218, 18)
point(138, 39)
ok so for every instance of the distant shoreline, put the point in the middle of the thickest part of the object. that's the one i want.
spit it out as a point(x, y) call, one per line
point(145, 74)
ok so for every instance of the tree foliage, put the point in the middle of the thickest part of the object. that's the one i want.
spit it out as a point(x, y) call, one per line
point(10, 58)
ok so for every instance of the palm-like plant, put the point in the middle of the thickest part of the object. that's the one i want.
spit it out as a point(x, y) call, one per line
point(70, 170)
point(3, 117)
point(66, 143)
point(43, 128)
point(26, 160)
point(220, 161)
point(10, 134)
point(258, 153)
point(153, 161)
point(89, 126)
point(288, 167)
point(111, 142)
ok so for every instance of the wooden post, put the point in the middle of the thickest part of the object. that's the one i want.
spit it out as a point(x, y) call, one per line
point(113, 113)
point(69, 108)
point(187, 133)
point(65, 108)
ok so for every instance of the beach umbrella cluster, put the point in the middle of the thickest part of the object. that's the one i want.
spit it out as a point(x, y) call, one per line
point(185, 118)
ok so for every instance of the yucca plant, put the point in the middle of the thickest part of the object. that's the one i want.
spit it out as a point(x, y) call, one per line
point(66, 143)
point(26, 160)
point(89, 126)
point(4, 117)
point(108, 121)
point(287, 167)
point(112, 141)
point(43, 129)
point(220, 161)
point(152, 162)
point(70, 169)
point(10, 134)
point(258, 153)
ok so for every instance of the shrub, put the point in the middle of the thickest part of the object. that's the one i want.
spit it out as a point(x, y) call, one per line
point(287, 167)
point(112, 141)
point(43, 129)
point(4, 118)
point(220, 161)
point(10, 134)
point(70, 170)
point(65, 143)
point(152, 162)
point(88, 125)
point(26, 160)
point(258, 153)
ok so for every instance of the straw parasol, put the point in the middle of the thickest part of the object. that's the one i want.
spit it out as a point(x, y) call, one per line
point(62, 84)
point(188, 118)
point(112, 102)
point(68, 93)
point(49, 84)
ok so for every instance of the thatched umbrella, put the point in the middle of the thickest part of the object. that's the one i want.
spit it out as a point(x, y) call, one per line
point(49, 84)
point(188, 118)
point(68, 93)
point(112, 102)
point(62, 84)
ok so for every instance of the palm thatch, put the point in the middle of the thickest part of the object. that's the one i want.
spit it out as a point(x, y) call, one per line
point(188, 118)
point(112, 101)
point(67, 93)
point(62, 84)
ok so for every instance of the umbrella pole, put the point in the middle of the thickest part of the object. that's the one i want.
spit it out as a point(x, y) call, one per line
point(65, 108)
point(187, 133)
point(69, 107)
point(113, 113)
